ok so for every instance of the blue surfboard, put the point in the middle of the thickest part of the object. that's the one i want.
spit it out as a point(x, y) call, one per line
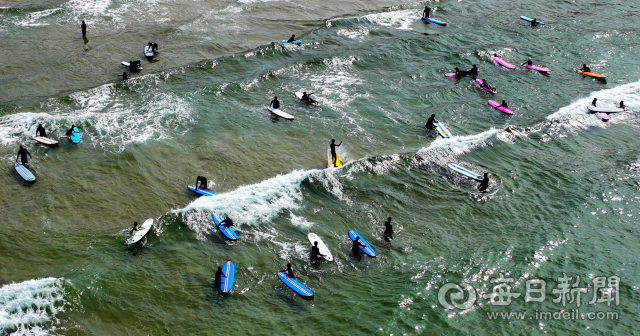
point(203, 192)
point(228, 275)
point(25, 173)
point(226, 231)
point(366, 248)
point(294, 42)
point(427, 20)
point(75, 135)
point(466, 172)
point(295, 285)
point(530, 19)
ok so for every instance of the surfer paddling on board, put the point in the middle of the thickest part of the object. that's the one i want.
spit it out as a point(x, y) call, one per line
point(426, 11)
point(203, 182)
point(388, 230)
point(430, 122)
point(218, 277)
point(307, 97)
point(529, 62)
point(40, 130)
point(487, 85)
point(333, 146)
point(275, 103)
point(484, 183)
point(22, 154)
point(594, 101)
point(291, 39)
point(585, 68)
point(289, 271)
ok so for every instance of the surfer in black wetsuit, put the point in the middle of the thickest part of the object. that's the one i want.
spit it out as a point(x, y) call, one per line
point(504, 104)
point(306, 97)
point(70, 130)
point(585, 68)
point(203, 182)
point(154, 47)
point(459, 72)
point(484, 183)
point(426, 11)
point(430, 122)
point(388, 230)
point(218, 277)
point(289, 271)
point(275, 103)
point(22, 154)
point(124, 76)
point(333, 146)
point(291, 39)
point(593, 102)
point(529, 62)
point(355, 247)
point(473, 71)
point(622, 105)
point(534, 23)
point(315, 253)
point(41, 131)
point(487, 85)
point(84, 29)
point(227, 222)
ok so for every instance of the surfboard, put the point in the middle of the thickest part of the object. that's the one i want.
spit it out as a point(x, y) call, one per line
point(535, 67)
point(299, 96)
point(202, 192)
point(138, 235)
point(44, 140)
point(451, 74)
point(481, 83)
point(25, 173)
point(294, 42)
point(226, 231)
point(465, 172)
point(603, 116)
point(591, 74)
point(427, 20)
point(599, 109)
point(503, 62)
point(295, 285)
point(324, 250)
point(443, 131)
point(330, 160)
point(129, 65)
point(530, 19)
point(75, 135)
point(500, 108)
point(366, 248)
point(148, 52)
point(280, 113)
point(228, 275)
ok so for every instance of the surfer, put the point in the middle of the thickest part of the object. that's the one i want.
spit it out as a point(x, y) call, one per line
point(275, 103)
point(124, 76)
point(355, 247)
point(388, 230)
point(333, 146)
point(84, 29)
point(458, 72)
point(291, 39)
point(203, 182)
point(594, 101)
point(315, 253)
point(473, 71)
point(430, 122)
point(529, 62)
point(585, 68)
point(487, 85)
point(504, 104)
point(227, 222)
point(289, 271)
point(426, 11)
point(41, 130)
point(484, 183)
point(306, 97)
point(218, 277)
point(136, 227)
point(70, 131)
point(621, 105)
point(534, 23)
point(22, 154)
point(154, 46)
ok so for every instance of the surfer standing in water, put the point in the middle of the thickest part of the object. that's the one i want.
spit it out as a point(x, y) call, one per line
point(430, 122)
point(355, 247)
point(84, 29)
point(41, 130)
point(534, 23)
point(594, 101)
point(124, 76)
point(473, 71)
point(289, 271)
point(388, 230)
point(484, 183)
point(315, 254)
point(275, 103)
point(218, 277)
point(333, 146)
point(22, 154)
point(426, 11)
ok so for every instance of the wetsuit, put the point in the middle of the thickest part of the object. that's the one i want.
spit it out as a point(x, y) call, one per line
point(622, 104)
point(388, 229)
point(504, 104)
point(534, 22)
point(306, 97)
point(218, 277)
point(355, 247)
point(84, 29)
point(333, 146)
point(529, 62)
point(426, 12)
point(291, 39)
point(41, 131)
point(155, 46)
point(484, 183)
point(487, 85)
point(22, 154)
point(70, 130)
point(124, 76)
point(136, 227)
point(227, 222)
point(473, 71)
point(585, 68)
point(289, 272)
point(594, 101)
point(315, 253)
point(275, 103)
point(431, 121)
point(203, 182)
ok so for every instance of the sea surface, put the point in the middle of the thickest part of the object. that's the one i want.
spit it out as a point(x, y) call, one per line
point(561, 211)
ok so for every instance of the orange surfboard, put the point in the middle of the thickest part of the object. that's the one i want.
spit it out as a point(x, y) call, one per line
point(591, 74)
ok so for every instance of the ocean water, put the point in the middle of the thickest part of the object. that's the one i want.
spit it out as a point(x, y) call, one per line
point(562, 206)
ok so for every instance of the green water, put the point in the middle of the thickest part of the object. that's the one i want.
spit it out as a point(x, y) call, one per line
point(562, 198)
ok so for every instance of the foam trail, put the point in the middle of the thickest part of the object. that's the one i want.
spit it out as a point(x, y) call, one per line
point(26, 306)
point(402, 19)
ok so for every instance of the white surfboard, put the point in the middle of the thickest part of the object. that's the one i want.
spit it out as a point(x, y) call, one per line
point(443, 131)
point(600, 109)
point(148, 52)
point(127, 64)
point(138, 235)
point(324, 250)
point(44, 140)
point(280, 113)
point(466, 172)
point(299, 96)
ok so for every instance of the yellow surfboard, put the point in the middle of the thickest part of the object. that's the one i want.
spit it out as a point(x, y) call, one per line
point(330, 161)
point(592, 74)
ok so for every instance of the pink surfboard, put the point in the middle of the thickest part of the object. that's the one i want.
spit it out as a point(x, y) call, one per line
point(503, 62)
point(451, 74)
point(479, 81)
point(535, 67)
point(603, 116)
point(500, 108)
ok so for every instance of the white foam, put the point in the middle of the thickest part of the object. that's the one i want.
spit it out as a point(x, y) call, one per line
point(26, 306)
point(89, 7)
point(402, 19)
point(300, 221)
point(462, 143)
point(358, 33)
point(35, 18)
